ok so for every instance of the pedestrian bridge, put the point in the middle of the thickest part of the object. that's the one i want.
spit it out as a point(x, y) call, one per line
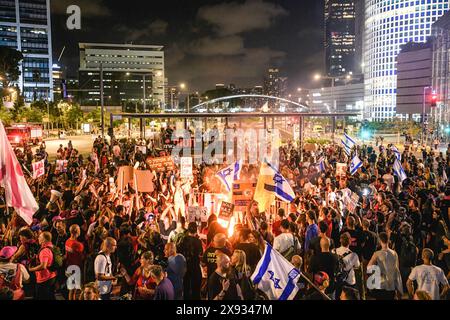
point(284, 104)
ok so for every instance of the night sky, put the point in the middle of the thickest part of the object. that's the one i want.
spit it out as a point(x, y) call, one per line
point(206, 42)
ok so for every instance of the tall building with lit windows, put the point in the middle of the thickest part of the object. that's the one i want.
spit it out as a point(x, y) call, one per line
point(25, 26)
point(388, 25)
point(340, 37)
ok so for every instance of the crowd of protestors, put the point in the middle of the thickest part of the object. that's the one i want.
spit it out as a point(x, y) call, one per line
point(89, 241)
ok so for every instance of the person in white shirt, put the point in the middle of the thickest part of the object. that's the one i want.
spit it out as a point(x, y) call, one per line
point(350, 259)
point(286, 239)
point(103, 268)
point(428, 277)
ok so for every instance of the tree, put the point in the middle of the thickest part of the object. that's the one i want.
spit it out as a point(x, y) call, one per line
point(29, 115)
point(9, 65)
point(6, 116)
point(73, 116)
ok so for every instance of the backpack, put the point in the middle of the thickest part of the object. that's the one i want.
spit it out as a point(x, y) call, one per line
point(89, 267)
point(342, 273)
point(58, 259)
point(291, 251)
point(408, 253)
point(12, 281)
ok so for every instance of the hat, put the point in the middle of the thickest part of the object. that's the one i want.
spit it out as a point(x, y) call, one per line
point(7, 252)
point(320, 277)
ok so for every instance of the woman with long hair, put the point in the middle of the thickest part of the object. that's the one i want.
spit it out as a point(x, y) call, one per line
point(242, 273)
point(144, 284)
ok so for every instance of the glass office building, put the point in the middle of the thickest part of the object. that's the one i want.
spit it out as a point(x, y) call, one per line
point(25, 26)
point(388, 25)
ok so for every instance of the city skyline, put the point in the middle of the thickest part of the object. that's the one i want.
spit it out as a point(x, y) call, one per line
point(202, 45)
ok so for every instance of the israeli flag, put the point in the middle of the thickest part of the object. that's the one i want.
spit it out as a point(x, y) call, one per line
point(278, 185)
point(229, 174)
point(397, 153)
point(321, 164)
point(276, 276)
point(355, 165)
point(398, 170)
point(349, 141)
point(346, 147)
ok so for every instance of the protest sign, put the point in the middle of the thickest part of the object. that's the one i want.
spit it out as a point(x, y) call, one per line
point(61, 166)
point(243, 194)
point(341, 169)
point(226, 211)
point(38, 169)
point(144, 180)
point(197, 214)
point(161, 163)
point(186, 167)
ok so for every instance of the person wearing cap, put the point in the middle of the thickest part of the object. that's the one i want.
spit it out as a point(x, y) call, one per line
point(321, 282)
point(14, 273)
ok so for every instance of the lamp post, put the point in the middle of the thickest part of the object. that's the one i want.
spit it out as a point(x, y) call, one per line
point(424, 113)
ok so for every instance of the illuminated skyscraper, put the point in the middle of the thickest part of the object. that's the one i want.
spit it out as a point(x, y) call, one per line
point(25, 26)
point(388, 25)
point(340, 43)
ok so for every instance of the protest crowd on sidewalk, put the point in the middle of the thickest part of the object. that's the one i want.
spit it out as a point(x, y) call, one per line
point(350, 222)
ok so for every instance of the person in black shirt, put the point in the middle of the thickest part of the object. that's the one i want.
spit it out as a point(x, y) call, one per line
point(369, 242)
point(315, 242)
point(210, 257)
point(191, 248)
point(355, 234)
point(221, 285)
point(325, 261)
point(251, 250)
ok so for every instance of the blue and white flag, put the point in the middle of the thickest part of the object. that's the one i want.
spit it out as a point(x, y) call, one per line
point(229, 174)
point(349, 141)
point(346, 147)
point(397, 153)
point(398, 170)
point(276, 276)
point(278, 185)
point(321, 164)
point(355, 165)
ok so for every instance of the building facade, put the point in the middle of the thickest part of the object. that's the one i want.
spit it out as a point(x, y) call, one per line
point(340, 37)
point(274, 84)
point(25, 26)
point(414, 71)
point(348, 97)
point(388, 25)
point(441, 70)
point(126, 68)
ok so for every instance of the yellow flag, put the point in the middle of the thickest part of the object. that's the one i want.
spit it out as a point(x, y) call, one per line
point(262, 196)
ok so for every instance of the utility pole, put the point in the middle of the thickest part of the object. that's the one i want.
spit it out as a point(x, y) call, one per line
point(101, 100)
point(145, 104)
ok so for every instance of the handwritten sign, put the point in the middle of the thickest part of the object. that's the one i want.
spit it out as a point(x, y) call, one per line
point(38, 169)
point(161, 163)
point(61, 166)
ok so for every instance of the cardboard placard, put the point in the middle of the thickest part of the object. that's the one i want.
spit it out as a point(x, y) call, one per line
point(186, 167)
point(161, 163)
point(226, 211)
point(144, 180)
